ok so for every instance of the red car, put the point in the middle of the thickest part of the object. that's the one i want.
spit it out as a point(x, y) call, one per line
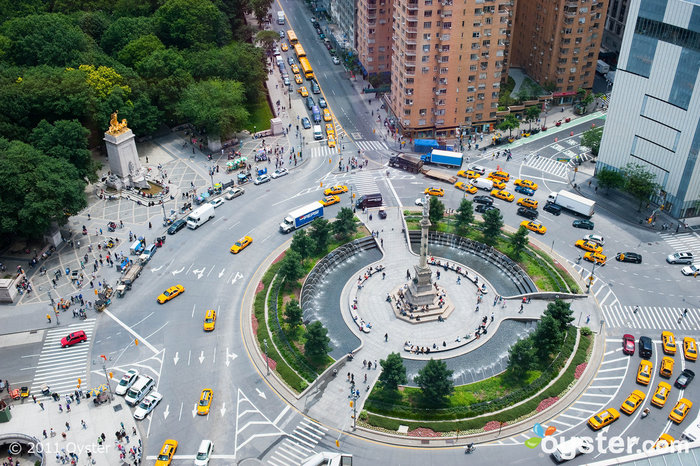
point(73, 338)
point(628, 344)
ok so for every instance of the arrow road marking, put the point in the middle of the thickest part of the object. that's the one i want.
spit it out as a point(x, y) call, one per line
point(238, 276)
point(261, 394)
point(166, 412)
point(229, 357)
point(156, 269)
point(199, 272)
point(221, 273)
point(223, 409)
point(175, 272)
point(201, 357)
point(176, 358)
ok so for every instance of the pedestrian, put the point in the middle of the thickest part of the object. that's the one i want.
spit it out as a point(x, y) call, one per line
point(680, 317)
point(67, 425)
point(34, 398)
point(68, 407)
point(364, 363)
point(60, 408)
point(48, 317)
point(41, 405)
point(127, 438)
point(52, 432)
point(375, 364)
point(45, 436)
point(386, 337)
point(459, 280)
point(104, 437)
point(82, 422)
point(352, 378)
point(348, 377)
point(477, 308)
point(63, 434)
point(365, 378)
point(492, 316)
point(636, 309)
point(588, 319)
point(521, 309)
point(149, 225)
point(685, 312)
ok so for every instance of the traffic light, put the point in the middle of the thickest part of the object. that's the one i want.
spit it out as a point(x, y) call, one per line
point(79, 382)
point(136, 341)
point(351, 403)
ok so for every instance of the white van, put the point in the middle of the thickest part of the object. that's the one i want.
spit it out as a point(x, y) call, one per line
point(483, 183)
point(318, 134)
point(143, 385)
point(280, 17)
point(692, 432)
point(200, 216)
point(571, 448)
point(206, 448)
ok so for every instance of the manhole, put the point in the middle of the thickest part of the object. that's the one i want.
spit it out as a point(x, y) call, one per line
point(117, 407)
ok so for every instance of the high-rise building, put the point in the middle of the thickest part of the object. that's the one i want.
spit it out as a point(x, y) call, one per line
point(615, 25)
point(344, 15)
point(556, 42)
point(654, 114)
point(447, 64)
point(374, 19)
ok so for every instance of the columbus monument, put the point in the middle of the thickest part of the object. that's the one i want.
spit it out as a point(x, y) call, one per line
point(420, 290)
point(125, 168)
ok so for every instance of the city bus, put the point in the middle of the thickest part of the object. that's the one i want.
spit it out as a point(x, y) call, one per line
point(299, 50)
point(292, 37)
point(306, 68)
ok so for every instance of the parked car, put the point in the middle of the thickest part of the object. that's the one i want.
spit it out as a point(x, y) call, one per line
point(551, 208)
point(217, 202)
point(483, 208)
point(587, 224)
point(305, 123)
point(322, 102)
point(483, 200)
point(177, 226)
point(234, 192)
point(683, 257)
point(147, 405)
point(336, 61)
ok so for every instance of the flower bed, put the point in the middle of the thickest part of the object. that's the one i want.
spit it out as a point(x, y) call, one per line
point(546, 403)
point(580, 369)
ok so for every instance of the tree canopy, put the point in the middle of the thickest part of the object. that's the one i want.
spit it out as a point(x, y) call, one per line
point(215, 105)
point(393, 371)
point(437, 210)
point(317, 342)
point(188, 23)
point(493, 222)
point(435, 381)
point(591, 139)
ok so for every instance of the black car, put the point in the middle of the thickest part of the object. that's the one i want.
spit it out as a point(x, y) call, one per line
point(176, 226)
point(305, 123)
point(646, 347)
point(528, 213)
point(552, 208)
point(629, 257)
point(483, 208)
point(685, 378)
point(382, 213)
point(587, 224)
point(483, 200)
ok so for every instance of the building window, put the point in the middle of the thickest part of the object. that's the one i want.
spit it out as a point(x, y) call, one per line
point(427, 24)
point(422, 112)
point(428, 13)
point(476, 34)
point(426, 36)
point(426, 48)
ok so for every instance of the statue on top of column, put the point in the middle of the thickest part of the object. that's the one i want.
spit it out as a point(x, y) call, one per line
point(115, 127)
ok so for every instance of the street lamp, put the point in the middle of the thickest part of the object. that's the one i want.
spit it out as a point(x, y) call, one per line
point(109, 386)
point(591, 278)
point(164, 217)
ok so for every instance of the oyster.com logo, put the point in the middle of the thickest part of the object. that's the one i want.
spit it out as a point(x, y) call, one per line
point(541, 432)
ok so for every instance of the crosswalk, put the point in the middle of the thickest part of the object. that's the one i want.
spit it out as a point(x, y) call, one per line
point(651, 317)
point(547, 165)
point(364, 182)
point(299, 445)
point(372, 145)
point(687, 241)
point(325, 151)
point(60, 368)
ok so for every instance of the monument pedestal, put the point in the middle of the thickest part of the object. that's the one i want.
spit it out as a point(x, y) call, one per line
point(420, 290)
point(124, 161)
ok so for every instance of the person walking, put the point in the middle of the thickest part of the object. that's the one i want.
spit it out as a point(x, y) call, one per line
point(386, 337)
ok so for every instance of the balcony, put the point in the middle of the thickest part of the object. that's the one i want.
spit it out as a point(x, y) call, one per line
point(412, 6)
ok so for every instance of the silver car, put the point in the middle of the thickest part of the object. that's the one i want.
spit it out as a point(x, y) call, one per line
point(147, 405)
point(684, 257)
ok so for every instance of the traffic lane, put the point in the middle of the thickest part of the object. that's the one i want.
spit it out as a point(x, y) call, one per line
point(18, 363)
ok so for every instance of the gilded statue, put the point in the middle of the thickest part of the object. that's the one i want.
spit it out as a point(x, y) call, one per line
point(115, 127)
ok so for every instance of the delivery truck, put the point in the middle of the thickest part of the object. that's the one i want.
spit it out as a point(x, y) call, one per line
point(406, 162)
point(602, 67)
point(200, 216)
point(301, 216)
point(443, 157)
point(573, 202)
point(441, 176)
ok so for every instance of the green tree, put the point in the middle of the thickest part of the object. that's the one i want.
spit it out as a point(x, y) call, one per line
point(66, 140)
point(166, 72)
point(320, 234)
point(532, 114)
point(608, 179)
point(591, 139)
point(510, 123)
point(260, 9)
point(317, 341)
point(267, 39)
point(38, 191)
point(518, 242)
point(345, 224)
point(124, 30)
point(435, 381)
point(143, 117)
point(94, 24)
point(291, 268)
point(302, 244)
point(548, 338)
point(437, 210)
point(215, 105)
point(464, 216)
point(520, 360)
point(293, 313)
point(493, 222)
point(188, 23)
point(393, 371)
point(561, 312)
point(640, 182)
point(138, 49)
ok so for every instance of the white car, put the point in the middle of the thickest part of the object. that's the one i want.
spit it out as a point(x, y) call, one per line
point(685, 257)
point(126, 382)
point(419, 201)
point(147, 405)
point(280, 172)
point(596, 239)
point(217, 203)
point(336, 61)
point(692, 269)
point(233, 192)
point(206, 448)
point(262, 179)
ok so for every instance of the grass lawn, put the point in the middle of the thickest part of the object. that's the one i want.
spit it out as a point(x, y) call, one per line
point(260, 115)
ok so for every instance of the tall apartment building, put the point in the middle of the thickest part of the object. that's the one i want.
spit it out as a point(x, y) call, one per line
point(556, 42)
point(615, 25)
point(447, 65)
point(654, 114)
point(343, 13)
point(374, 33)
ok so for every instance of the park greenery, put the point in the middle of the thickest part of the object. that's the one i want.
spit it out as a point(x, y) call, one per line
point(591, 139)
point(66, 66)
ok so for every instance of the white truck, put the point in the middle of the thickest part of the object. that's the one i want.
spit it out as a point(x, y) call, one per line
point(602, 67)
point(573, 202)
point(200, 216)
point(280, 17)
point(318, 133)
point(483, 183)
point(328, 458)
point(301, 216)
point(692, 432)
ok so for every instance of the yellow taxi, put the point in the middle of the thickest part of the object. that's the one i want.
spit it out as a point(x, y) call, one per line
point(166, 454)
point(603, 419)
point(470, 188)
point(295, 68)
point(330, 200)
point(501, 194)
point(634, 401)
point(504, 176)
point(469, 174)
point(690, 349)
point(302, 90)
point(170, 293)
point(526, 184)
point(339, 189)
point(661, 394)
point(497, 184)
point(664, 441)
point(588, 245)
point(205, 401)
point(241, 244)
point(680, 411)
point(330, 129)
point(209, 320)
point(537, 227)
point(668, 342)
point(666, 369)
point(327, 115)
point(331, 140)
point(527, 202)
point(434, 191)
point(596, 257)
point(298, 79)
point(644, 372)
point(284, 47)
